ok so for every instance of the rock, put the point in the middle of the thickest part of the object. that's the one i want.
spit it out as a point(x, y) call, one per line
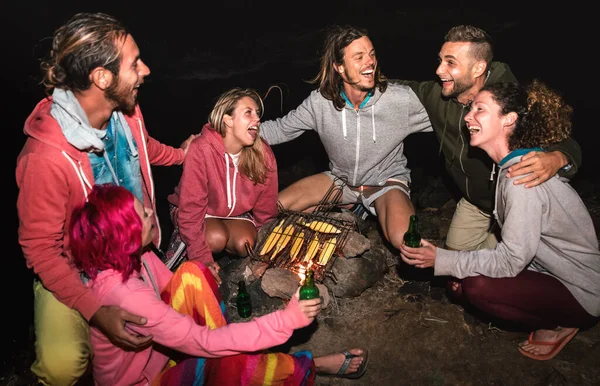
point(350, 277)
point(355, 245)
point(280, 282)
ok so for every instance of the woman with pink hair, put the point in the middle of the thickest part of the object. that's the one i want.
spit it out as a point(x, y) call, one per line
point(192, 340)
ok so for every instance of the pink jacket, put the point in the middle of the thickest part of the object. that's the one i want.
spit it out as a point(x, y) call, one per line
point(114, 366)
point(53, 177)
point(211, 184)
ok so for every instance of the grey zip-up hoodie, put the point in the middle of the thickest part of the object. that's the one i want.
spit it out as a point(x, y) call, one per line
point(365, 146)
point(546, 229)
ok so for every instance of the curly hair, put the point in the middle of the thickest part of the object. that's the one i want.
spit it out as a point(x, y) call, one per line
point(329, 80)
point(481, 42)
point(543, 118)
point(83, 43)
point(106, 232)
point(252, 160)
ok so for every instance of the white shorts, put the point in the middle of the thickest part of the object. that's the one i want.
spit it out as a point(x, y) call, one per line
point(367, 194)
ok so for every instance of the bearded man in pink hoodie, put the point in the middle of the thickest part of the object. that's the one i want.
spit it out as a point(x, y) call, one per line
point(88, 130)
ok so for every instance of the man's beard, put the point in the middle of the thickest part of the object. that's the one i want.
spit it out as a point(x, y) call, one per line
point(121, 96)
point(349, 80)
point(459, 87)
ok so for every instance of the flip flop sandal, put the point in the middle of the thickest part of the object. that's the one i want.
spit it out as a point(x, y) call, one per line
point(360, 371)
point(558, 346)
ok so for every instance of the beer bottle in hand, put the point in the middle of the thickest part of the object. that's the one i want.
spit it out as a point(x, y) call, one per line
point(309, 289)
point(242, 301)
point(412, 237)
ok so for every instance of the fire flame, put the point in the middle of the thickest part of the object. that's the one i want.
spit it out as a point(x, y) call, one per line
point(302, 270)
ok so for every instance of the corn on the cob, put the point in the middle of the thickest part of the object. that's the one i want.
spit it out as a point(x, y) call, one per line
point(283, 241)
point(312, 249)
point(327, 251)
point(271, 240)
point(323, 227)
point(296, 246)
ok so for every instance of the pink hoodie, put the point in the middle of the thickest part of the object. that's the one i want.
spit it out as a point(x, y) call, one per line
point(211, 184)
point(53, 177)
point(114, 366)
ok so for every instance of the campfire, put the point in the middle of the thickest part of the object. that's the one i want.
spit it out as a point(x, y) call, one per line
point(298, 241)
point(328, 241)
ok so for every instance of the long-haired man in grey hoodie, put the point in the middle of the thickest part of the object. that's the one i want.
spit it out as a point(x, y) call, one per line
point(362, 122)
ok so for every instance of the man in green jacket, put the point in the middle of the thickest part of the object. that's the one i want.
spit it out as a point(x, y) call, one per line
point(465, 66)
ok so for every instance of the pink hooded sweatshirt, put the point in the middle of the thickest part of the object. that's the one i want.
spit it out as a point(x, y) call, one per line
point(211, 184)
point(140, 295)
point(53, 177)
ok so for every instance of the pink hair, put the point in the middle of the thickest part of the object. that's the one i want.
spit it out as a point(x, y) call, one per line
point(106, 232)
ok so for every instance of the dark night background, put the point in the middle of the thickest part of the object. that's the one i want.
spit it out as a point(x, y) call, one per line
point(196, 51)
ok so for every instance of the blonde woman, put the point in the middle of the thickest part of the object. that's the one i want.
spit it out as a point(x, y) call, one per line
point(228, 188)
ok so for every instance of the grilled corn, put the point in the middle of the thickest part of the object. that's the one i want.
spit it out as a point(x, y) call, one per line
point(272, 239)
point(296, 246)
point(283, 241)
point(327, 251)
point(322, 226)
point(312, 249)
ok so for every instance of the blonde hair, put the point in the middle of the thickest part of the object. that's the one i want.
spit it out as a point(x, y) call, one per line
point(252, 159)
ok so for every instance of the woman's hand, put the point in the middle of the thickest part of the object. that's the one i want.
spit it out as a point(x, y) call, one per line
point(423, 257)
point(214, 268)
point(310, 307)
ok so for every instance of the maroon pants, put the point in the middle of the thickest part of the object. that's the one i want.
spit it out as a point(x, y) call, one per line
point(532, 299)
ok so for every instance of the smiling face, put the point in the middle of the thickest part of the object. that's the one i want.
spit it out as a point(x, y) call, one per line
point(123, 91)
point(241, 127)
point(458, 71)
point(147, 225)
point(488, 127)
point(358, 67)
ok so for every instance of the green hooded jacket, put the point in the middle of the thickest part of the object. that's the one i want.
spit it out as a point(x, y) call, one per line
point(470, 167)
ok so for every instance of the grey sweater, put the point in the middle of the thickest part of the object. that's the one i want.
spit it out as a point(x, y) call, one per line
point(365, 146)
point(546, 229)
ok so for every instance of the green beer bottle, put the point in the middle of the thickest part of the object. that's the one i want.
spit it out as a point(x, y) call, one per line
point(412, 237)
point(242, 301)
point(309, 289)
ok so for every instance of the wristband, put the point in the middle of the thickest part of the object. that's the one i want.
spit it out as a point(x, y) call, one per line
point(567, 167)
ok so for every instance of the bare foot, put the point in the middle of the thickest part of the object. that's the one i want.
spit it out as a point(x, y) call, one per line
point(330, 364)
point(544, 336)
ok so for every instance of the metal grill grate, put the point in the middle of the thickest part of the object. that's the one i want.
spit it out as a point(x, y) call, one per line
point(299, 240)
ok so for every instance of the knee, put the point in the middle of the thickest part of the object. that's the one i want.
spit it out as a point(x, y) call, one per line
point(190, 266)
point(474, 288)
point(396, 238)
point(216, 241)
point(240, 246)
point(193, 267)
point(62, 365)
